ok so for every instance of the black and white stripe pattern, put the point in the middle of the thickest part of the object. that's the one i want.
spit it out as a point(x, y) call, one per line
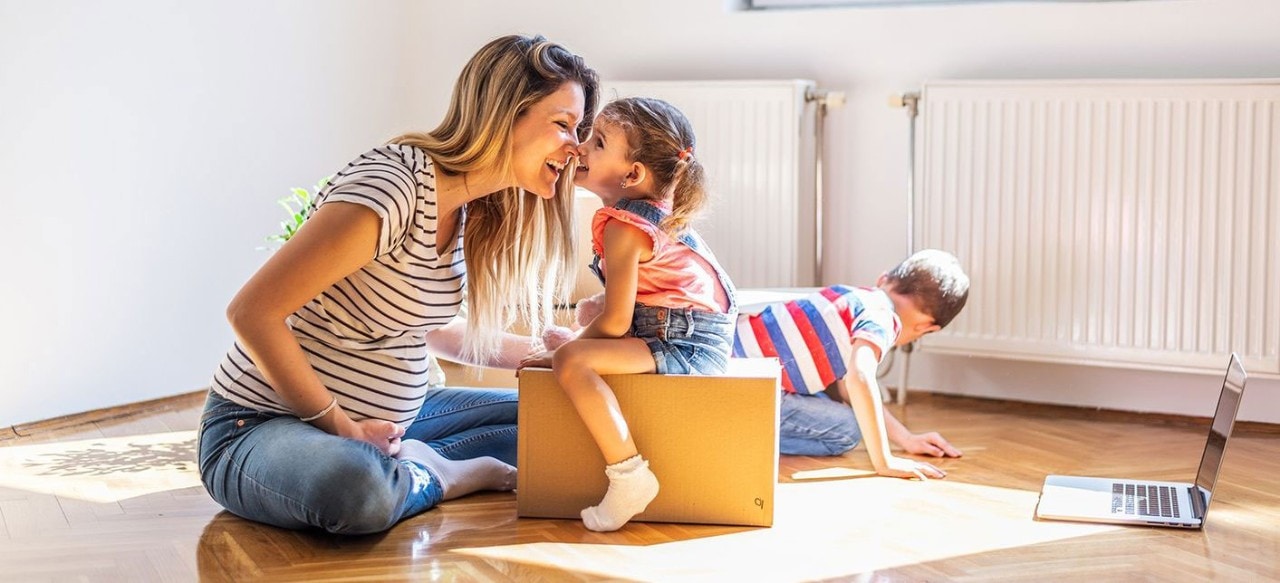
point(365, 334)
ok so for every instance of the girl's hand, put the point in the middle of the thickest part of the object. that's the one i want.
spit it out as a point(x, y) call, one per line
point(537, 360)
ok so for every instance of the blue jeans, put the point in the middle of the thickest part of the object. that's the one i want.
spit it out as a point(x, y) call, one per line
point(278, 470)
point(683, 340)
point(816, 425)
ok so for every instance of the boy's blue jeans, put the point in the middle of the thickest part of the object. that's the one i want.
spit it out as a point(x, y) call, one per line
point(278, 470)
point(816, 425)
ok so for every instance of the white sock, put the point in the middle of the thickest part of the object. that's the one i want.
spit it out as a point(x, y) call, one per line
point(460, 477)
point(632, 486)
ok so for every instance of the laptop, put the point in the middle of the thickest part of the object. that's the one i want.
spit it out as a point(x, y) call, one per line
point(1148, 502)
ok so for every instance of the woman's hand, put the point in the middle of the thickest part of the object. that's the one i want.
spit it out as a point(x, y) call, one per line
point(383, 434)
point(537, 360)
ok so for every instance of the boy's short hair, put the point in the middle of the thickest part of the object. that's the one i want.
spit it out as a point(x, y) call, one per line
point(935, 280)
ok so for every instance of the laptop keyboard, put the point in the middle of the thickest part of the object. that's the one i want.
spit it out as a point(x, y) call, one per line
point(1144, 500)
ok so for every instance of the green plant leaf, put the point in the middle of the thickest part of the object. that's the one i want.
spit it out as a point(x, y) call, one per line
point(298, 205)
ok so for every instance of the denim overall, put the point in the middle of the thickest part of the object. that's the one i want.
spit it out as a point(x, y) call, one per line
point(683, 340)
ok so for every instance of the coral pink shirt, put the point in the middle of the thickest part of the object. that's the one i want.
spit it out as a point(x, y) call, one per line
point(676, 276)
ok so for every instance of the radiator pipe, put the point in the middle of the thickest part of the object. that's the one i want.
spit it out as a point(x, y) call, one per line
point(822, 100)
point(911, 102)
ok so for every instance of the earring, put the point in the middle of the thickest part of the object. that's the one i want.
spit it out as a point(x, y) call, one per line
point(624, 184)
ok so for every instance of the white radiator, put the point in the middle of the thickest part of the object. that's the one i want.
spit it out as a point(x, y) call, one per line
point(1121, 223)
point(755, 139)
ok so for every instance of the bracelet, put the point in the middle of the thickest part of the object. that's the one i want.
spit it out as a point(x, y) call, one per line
point(322, 413)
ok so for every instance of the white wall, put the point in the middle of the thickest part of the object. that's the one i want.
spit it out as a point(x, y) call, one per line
point(143, 143)
point(872, 53)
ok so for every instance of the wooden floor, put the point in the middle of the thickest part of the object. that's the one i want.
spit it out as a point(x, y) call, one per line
point(118, 500)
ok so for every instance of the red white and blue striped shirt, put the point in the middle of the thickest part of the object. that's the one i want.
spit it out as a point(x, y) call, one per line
point(813, 336)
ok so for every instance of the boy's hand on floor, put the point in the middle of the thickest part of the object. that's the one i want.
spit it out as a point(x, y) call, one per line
point(900, 467)
point(929, 444)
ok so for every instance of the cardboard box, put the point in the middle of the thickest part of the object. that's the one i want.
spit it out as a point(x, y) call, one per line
point(711, 440)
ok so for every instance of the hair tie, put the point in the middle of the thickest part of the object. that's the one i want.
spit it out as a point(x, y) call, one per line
point(685, 153)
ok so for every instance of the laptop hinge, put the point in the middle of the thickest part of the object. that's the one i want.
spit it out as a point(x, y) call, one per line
point(1197, 501)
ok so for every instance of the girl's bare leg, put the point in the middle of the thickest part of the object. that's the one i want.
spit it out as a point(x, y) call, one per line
point(578, 367)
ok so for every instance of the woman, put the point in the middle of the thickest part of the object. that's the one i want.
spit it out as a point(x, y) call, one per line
point(319, 416)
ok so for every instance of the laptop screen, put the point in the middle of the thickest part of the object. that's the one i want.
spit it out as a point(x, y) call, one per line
point(1223, 420)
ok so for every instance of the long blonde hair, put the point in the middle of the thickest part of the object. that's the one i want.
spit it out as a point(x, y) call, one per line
point(519, 248)
point(661, 138)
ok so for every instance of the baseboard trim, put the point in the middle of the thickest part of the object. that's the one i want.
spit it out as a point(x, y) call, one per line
point(1006, 405)
point(174, 402)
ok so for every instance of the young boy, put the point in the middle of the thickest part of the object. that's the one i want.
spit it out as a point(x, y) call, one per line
point(839, 329)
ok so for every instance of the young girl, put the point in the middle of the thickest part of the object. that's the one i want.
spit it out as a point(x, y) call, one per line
point(669, 307)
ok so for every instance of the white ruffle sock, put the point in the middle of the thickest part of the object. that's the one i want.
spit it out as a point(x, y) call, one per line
point(631, 488)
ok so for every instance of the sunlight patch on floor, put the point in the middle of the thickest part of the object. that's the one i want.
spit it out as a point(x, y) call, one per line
point(828, 529)
point(107, 469)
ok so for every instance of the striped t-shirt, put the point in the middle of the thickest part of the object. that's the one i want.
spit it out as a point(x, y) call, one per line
point(812, 337)
point(365, 335)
